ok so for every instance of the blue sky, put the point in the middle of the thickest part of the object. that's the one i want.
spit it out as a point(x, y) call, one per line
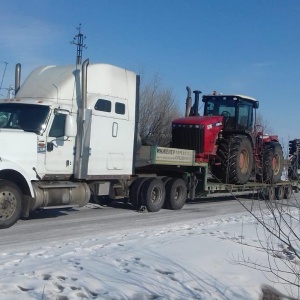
point(234, 46)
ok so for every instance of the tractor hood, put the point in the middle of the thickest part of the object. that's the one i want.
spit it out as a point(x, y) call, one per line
point(200, 120)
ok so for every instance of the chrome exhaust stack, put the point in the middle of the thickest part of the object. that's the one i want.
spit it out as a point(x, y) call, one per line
point(84, 117)
point(17, 78)
point(188, 103)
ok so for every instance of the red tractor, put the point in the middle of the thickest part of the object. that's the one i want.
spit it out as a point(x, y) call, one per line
point(227, 137)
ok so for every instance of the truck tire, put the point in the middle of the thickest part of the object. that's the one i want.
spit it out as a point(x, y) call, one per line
point(272, 163)
point(165, 180)
point(10, 204)
point(176, 192)
point(153, 192)
point(279, 192)
point(270, 195)
point(288, 191)
point(135, 192)
point(236, 157)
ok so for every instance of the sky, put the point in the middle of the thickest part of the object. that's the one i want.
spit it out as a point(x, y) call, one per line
point(233, 47)
point(207, 259)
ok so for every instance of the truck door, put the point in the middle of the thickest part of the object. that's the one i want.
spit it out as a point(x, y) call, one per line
point(59, 148)
point(112, 136)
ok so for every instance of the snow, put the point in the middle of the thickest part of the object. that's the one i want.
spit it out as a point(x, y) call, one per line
point(194, 260)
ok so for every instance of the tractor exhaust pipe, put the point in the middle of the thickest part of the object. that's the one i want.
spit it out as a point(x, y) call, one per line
point(17, 78)
point(188, 103)
point(196, 104)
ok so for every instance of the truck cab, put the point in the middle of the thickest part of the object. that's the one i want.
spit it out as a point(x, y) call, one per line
point(66, 127)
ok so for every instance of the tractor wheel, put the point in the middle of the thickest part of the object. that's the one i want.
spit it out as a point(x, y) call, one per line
point(272, 163)
point(10, 204)
point(217, 171)
point(236, 156)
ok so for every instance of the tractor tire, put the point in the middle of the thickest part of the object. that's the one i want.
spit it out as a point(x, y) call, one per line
point(217, 171)
point(236, 157)
point(10, 204)
point(272, 163)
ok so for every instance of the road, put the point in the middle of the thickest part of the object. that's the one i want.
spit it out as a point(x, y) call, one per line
point(69, 224)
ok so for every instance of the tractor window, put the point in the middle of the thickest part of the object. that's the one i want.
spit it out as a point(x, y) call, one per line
point(245, 115)
point(217, 106)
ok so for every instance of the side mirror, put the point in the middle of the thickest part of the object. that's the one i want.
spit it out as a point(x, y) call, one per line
point(256, 105)
point(71, 126)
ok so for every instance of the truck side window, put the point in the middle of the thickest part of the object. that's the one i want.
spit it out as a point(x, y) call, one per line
point(120, 108)
point(58, 126)
point(103, 105)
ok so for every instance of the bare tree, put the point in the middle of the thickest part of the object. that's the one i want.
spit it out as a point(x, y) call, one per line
point(260, 120)
point(157, 111)
point(278, 233)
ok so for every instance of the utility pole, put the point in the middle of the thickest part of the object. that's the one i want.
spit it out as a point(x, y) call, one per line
point(78, 41)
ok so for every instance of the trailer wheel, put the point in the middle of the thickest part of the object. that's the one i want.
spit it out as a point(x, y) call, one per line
point(176, 192)
point(270, 193)
point(165, 180)
point(154, 193)
point(10, 204)
point(135, 192)
point(288, 192)
point(279, 192)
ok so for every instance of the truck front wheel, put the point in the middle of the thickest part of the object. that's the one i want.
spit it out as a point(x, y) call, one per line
point(10, 204)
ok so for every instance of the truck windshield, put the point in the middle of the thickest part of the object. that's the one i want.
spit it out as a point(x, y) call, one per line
point(28, 117)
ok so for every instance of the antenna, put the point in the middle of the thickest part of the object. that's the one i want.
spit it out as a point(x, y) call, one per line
point(78, 41)
point(3, 73)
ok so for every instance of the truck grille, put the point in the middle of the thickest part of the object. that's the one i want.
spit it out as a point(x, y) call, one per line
point(188, 137)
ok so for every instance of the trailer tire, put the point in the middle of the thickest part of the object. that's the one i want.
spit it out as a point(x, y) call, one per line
point(279, 192)
point(288, 192)
point(270, 193)
point(236, 157)
point(176, 192)
point(135, 192)
point(10, 204)
point(272, 163)
point(154, 193)
point(165, 180)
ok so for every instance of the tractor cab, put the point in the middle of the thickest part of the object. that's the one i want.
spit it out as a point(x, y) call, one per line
point(237, 110)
